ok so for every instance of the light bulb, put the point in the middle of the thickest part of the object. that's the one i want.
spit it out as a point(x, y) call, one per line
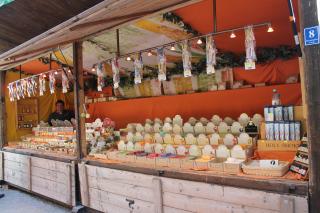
point(199, 41)
point(149, 53)
point(270, 29)
point(232, 35)
point(69, 71)
point(172, 48)
point(56, 72)
point(93, 69)
point(44, 76)
point(128, 58)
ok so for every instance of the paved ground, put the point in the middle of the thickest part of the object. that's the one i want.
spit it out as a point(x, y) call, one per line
point(16, 201)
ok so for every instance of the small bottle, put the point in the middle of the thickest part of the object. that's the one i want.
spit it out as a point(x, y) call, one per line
point(275, 98)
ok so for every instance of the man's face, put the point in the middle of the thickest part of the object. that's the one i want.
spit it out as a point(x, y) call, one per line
point(59, 107)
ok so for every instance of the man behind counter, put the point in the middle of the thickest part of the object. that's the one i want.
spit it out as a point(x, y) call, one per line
point(60, 113)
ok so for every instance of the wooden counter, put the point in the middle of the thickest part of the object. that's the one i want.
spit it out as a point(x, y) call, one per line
point(112, 187)
point(47, 175)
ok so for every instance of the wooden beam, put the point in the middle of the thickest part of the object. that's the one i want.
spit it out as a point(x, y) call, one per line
point(79, 99)
point(3, 123)
point(311, 55)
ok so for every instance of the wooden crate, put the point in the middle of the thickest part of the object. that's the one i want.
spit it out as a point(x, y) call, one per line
point(266, 145)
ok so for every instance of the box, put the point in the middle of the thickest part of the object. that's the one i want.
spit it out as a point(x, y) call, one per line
point(198, 165)
point(267, 145)
point(187, 164)
point(113, 155)
point(162, 162)
point(216, 165)
point(232, 168)
point(175, 163)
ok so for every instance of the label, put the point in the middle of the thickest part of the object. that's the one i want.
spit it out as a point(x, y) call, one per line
point(269, 163)
point(311, 36)
point(249, 65)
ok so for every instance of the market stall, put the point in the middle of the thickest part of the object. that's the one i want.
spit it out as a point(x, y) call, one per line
point(181, 113)
point(38, 158)
point(194, 142)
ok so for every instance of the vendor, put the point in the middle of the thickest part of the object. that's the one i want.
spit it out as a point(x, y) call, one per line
point(60, 113)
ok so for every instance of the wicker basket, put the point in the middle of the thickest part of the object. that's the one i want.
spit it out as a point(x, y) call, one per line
point(252, 168)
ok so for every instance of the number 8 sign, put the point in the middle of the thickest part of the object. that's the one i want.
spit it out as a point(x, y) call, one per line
point(311, 36)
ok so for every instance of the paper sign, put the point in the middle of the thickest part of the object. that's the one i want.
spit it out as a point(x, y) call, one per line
point(250, 65)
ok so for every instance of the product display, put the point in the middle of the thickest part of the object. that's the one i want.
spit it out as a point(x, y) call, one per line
point(50, 139)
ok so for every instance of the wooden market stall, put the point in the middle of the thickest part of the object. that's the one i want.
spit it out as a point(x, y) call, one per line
point(118, 172)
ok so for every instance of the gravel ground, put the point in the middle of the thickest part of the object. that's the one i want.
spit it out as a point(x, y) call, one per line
point(16, 201)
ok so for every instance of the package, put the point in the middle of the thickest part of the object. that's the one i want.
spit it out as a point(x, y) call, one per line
point(162, 65)
point(138, 69)
point(186, 59)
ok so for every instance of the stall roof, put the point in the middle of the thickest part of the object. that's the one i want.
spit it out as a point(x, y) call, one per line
point(21, 20)
point(137, 34)
point(103, 16)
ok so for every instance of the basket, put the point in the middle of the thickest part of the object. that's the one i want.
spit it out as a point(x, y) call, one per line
point(253, 168)
point(232, 168)
point(266, 145)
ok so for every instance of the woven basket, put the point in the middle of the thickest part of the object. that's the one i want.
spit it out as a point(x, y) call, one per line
point(252, 168)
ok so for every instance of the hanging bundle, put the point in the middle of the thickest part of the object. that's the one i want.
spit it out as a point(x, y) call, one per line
point(24, 86)
point(19, 91)
point(250, 44)
point(162, 65)
point(52, 82)
point(211, 52)
point(11, 92)
point(186, 59)
point(116, 73)
point(34, 85)
point(65, 82)
point(42, 84)
point(100, 82)
point(138, 68)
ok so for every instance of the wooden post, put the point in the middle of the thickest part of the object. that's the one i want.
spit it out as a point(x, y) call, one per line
point(311, 55)
point(79, 99)
point(3, 138)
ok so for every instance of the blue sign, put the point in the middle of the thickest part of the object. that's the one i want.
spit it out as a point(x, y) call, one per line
point(311, 36)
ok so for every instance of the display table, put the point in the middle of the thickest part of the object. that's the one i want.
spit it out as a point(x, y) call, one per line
point(115, 187)
point(49, 175)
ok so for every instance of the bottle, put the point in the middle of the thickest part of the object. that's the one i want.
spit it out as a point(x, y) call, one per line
point(275, 98)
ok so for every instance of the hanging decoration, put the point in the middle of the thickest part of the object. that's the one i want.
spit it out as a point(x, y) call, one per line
point(65, 82)
point(138, 68)
point(250, 44)
point(42, 84)
point(186, 59)
point(100, 81)
point(11, 92)
point(52, 82)
point(34, 85)
point(211, 52)
point(24, 86)
point(116, 73)
point(19, 91)
point(162, 65)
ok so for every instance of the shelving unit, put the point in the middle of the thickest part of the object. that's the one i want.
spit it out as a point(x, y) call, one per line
point(27, 113)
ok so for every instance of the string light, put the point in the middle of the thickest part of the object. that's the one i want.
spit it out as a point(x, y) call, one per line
point(93, 69)
point(270, 29)
point(149, 53)
point(128, 58)
point(56, 72)
point(172, 48)
point(44, 76)
point(69, 71)
point(199, 41)
point(232, 35)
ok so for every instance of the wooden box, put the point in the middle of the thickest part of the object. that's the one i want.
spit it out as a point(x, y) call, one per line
point(162, 162)
point(216, 165)
point(232, 168)
point(187, 164)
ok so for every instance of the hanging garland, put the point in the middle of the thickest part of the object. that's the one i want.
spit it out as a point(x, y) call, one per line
point(175, 19)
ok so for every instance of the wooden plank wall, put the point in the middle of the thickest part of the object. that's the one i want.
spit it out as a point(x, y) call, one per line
point(110, 190)
point(53, 179)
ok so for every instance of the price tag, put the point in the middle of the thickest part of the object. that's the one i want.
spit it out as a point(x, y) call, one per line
point(269, 163)
point(250, 65)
